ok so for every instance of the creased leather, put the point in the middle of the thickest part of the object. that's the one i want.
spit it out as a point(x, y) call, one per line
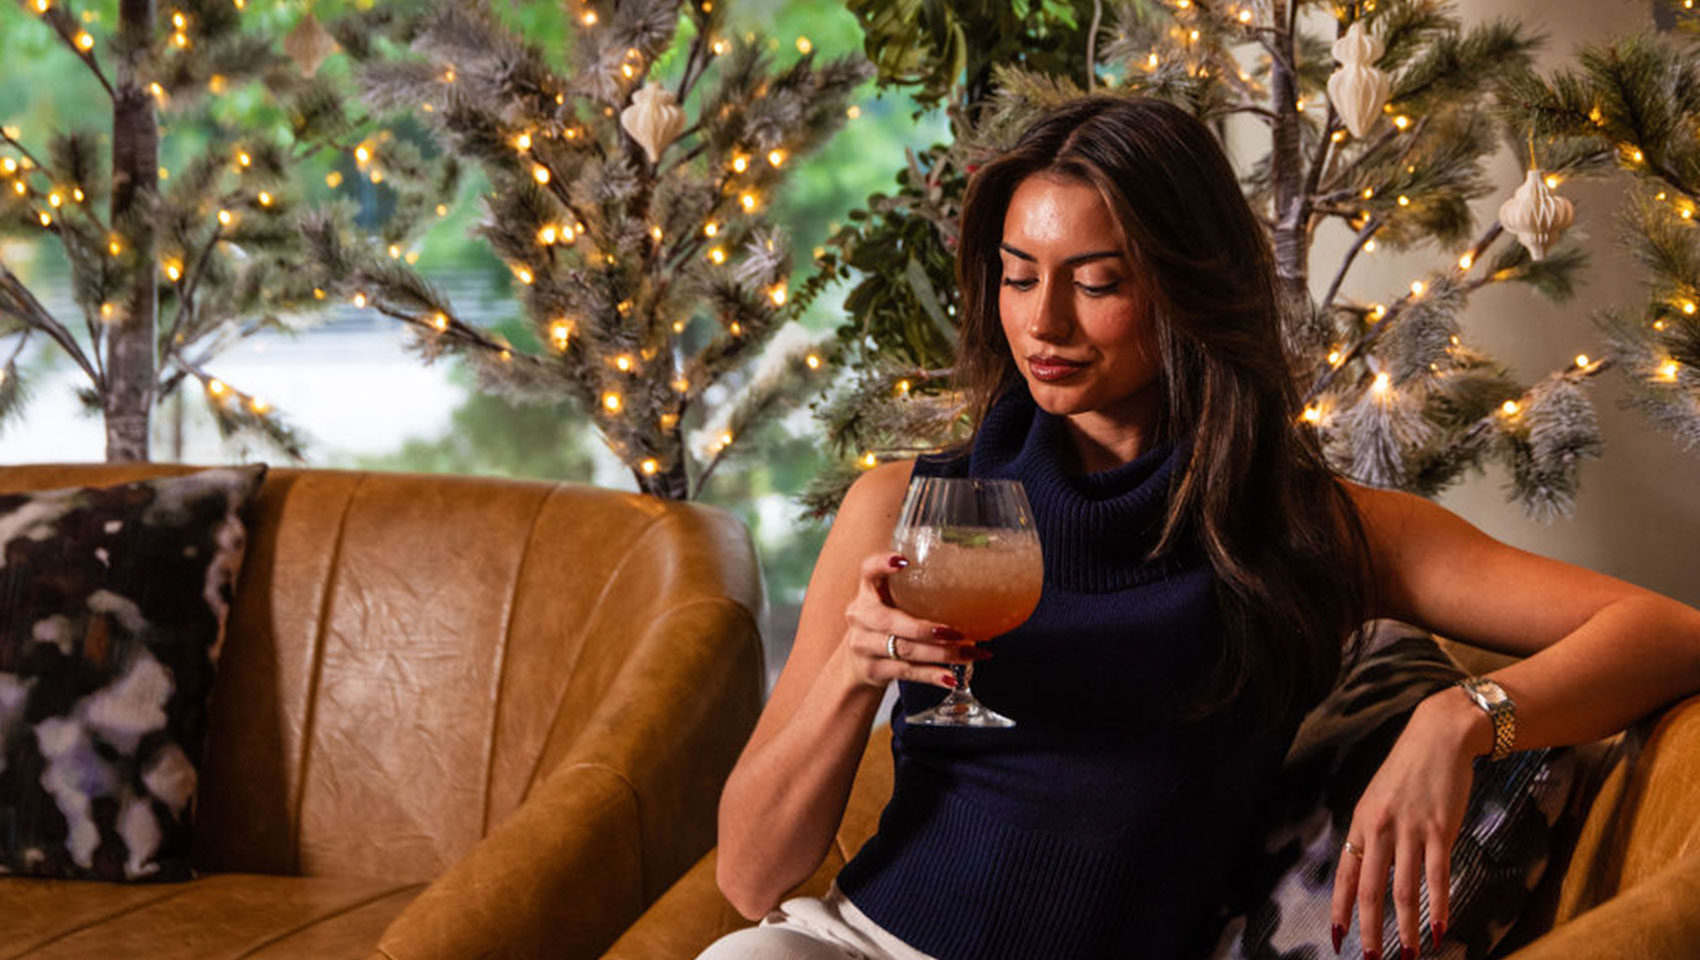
point(222, 915)
point(653, 738)
point(528, 693)
point(694, 913)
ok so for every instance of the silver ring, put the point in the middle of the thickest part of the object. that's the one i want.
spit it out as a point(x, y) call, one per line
point(891, 646)
point(1352, 849)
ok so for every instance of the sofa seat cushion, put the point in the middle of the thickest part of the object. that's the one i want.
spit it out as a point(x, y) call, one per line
point(219, 916)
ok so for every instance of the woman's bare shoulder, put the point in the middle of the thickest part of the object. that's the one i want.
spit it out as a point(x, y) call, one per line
point(876, 496)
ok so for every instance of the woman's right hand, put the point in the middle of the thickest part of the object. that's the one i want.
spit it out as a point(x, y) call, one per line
point(925, 649)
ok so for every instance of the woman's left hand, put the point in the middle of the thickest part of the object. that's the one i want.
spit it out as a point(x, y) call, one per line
point(1407, 819)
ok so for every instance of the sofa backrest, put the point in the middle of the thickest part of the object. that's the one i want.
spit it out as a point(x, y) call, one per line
point(408, 654)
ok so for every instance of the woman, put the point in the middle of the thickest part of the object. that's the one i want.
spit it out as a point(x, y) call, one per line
point(1204, 571)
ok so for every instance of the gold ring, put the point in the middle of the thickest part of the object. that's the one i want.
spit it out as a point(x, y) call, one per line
point(1352, 849)
point(891, 646)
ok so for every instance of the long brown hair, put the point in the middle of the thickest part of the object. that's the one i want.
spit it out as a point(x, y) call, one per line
point(1294, 578)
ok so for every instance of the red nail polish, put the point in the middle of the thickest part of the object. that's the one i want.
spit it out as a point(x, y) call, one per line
point(946, 633)
point(1439, 930)
point(1370, 953)
point(898, 563)
point(1407, 953)
point(948, 680)
point(1339, 935)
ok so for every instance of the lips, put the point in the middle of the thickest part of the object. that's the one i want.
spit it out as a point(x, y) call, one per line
point(1049, 368)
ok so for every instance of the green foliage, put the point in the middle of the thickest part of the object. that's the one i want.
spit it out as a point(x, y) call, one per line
point(243, 136)
point(936, 45)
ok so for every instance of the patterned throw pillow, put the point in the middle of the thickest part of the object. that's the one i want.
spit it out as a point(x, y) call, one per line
point(1497, 860)
point(112, 611)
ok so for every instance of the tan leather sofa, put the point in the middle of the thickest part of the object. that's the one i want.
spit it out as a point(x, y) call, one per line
point(1624, 883)
point(454, 718)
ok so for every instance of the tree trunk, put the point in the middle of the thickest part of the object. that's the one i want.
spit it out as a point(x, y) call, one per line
point(673, 483)
point(1287, 166)
point(178, 411)
point(127, 396)
point(670, 485)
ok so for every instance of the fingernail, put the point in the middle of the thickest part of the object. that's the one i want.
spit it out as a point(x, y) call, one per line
point(898, 562)
point(948, 679)
point(1407, 953)
point(1370, 953)
point(946, 633)
point(1339, 935)
point(1439, 930)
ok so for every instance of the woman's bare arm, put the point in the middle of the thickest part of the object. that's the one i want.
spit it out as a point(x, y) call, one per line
point(786, 795)
point(1599, 652)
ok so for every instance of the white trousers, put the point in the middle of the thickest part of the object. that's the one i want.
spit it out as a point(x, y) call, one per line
point(813, 928)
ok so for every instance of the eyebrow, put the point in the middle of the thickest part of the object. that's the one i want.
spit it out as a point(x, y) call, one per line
point(1071, 261)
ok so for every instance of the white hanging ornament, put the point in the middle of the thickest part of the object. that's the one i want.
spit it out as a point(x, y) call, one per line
point(1358, 89)
point(1536, 215)
point(309, 44)
point(654, 119)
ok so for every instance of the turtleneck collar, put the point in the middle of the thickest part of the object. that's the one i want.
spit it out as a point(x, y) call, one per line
point(1095, 528)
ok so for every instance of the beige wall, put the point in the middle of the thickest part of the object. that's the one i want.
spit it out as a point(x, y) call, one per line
point(1638, 514)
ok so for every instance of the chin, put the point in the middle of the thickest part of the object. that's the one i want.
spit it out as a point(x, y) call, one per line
point(1059, 399)
point(1087, 394)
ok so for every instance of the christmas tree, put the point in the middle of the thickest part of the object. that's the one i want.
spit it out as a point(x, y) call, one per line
point(183, 263)
point(628, 204)
point(1629, 107)
point(1383, 124)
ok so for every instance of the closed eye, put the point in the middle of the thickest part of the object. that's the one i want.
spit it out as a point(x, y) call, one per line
point(1096, 291)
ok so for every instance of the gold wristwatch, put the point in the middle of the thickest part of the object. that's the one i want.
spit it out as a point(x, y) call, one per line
point(1500, 708)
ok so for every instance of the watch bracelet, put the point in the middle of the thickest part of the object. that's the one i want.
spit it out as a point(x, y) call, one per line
point(1503, 715)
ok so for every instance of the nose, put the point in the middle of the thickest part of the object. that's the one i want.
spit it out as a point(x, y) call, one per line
point(1051, 314)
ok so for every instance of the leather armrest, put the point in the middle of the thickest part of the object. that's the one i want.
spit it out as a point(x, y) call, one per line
point(1654, 918)
point(629, 808)
point(678, 926)
point(559, 877)
point(694, 913)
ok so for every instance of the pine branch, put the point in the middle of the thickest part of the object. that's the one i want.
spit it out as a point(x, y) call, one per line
point(1364, 235)
point(14, 394)
point(237, 413)
point(782, 384)
point(18, 302)
point(65, 26)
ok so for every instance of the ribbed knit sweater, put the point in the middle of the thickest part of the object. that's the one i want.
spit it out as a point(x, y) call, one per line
point(1098, 827)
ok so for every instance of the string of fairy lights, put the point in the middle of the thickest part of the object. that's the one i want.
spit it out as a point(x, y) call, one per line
point(63, 200)
point(739, 182)
point(1196, 18)
point(52, 202)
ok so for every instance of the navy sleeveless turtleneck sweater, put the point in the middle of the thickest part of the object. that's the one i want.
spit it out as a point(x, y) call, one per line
point(1098, 827)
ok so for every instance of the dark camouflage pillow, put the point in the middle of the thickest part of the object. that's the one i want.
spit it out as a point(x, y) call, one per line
point(112, 611)
point(1497, 860)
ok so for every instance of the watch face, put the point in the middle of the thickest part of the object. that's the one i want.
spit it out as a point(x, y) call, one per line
point(1493, 692)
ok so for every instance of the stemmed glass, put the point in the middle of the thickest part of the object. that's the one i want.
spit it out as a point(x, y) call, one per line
point(974, 564)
